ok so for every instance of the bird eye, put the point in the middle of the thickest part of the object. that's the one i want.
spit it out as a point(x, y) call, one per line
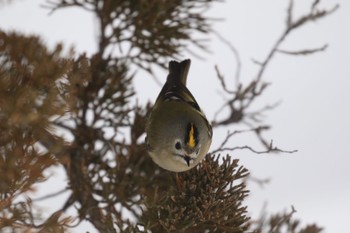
point(178, 145)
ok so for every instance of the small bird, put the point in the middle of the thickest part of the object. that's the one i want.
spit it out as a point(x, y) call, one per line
point(178, 133)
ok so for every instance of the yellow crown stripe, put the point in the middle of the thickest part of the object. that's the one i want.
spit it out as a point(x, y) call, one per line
point(191, 142)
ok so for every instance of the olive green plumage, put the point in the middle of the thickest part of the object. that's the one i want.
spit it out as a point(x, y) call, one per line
point(178, 133)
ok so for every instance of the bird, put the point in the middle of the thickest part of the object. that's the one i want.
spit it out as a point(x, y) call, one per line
point(178, 134)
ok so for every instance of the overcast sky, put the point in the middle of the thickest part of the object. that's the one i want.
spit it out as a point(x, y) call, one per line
point(314, 92)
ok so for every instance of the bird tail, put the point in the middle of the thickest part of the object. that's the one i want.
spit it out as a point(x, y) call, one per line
point(178, 71)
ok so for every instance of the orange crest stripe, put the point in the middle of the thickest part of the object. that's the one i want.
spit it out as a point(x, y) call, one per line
point(192, 141)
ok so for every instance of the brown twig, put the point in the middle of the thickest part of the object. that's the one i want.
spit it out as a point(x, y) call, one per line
point(243, 96)
point(237, 57)
point(268, 150)
point(304, 51)
point(231, 134)
point(284, 219)
point(51, 195)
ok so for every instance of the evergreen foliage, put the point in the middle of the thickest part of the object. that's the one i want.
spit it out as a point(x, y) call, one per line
point(113, 182)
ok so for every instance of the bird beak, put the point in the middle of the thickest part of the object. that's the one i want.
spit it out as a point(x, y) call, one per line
point(187, 159)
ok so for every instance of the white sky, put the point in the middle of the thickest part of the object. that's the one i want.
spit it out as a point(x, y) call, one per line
point(314, 90)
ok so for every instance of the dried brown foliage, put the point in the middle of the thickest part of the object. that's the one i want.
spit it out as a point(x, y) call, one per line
point(45, 94)
point(28, 101)
point(208, 198)
point(283, 222)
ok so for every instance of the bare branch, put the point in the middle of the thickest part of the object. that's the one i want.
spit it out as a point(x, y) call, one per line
point(242, 97)
point(236, 55)
point(49, 195)
point(285, 218)
point(270, 149)
point(54, 6)
point(290, 13)
point(314, 15)
point(314, 4)
point(260, 182)
point(304, 51)
point(222, 81)
point(255, 115)
point(229, 135)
